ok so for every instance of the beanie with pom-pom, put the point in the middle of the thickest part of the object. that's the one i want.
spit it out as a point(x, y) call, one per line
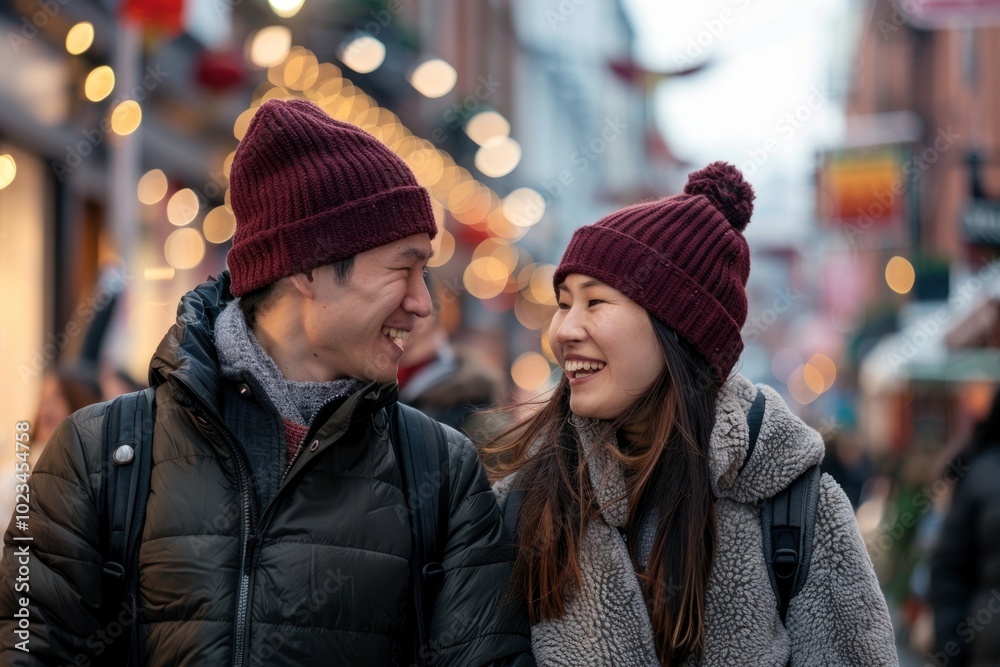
point(683, 258)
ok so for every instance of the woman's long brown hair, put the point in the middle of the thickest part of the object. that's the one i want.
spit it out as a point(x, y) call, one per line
point(667, 477)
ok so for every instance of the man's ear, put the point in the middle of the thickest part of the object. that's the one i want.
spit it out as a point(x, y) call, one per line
point(303, 282)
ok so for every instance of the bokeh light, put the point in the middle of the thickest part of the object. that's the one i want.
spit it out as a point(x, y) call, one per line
point(270, 45)
point(152, 187)
point(363, 54)
point(182, 207)
point(444, 248)
point(159, 273)
point(487, 126)
point(826, 367)
point(8, 170)
point(286, 9)
point(498, 158)
point(99, 83)
point(485, 277)
point(798, 386)
point(524, 207)
point(530, 371)
point(126, 117)
point(434, 78)
point(899, 275)
point(784, 363)
point(184, 249)
point(80, 38)
point(219, 225)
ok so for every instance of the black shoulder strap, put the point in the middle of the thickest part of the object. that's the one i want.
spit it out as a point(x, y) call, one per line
point(788, 522)
point(127, 443)
point(421, 447)
point(754, 419)
point(510, 508)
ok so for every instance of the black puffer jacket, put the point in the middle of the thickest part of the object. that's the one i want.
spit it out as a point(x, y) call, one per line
point(317, 577)
point(965, 566)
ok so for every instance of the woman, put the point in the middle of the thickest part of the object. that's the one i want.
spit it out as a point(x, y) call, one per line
point(639, 529)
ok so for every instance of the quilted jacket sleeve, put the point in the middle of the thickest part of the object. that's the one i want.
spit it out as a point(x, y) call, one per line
point(840, 616)
point(476, 620)
point(55, 578)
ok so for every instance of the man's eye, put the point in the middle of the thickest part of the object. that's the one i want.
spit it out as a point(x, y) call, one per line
point(594, 302)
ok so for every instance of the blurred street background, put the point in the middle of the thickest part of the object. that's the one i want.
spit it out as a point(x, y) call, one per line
point(869, 129)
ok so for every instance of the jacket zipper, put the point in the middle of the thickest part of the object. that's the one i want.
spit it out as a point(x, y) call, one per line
point(248, 500)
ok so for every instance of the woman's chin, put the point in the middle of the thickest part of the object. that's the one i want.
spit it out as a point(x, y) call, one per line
point(588, 410)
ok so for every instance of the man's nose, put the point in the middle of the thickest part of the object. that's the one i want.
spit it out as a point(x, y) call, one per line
point(418, 300)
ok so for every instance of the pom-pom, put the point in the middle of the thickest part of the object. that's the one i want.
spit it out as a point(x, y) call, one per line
point(726, 188)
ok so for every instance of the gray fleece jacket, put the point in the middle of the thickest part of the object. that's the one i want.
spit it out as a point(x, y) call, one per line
point(838, 618)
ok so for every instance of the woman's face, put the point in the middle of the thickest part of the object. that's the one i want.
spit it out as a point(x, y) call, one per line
point(606, 346)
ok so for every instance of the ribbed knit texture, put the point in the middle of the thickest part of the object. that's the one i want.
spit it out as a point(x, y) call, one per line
point(308, 190)
point(296, 403)
point(295, 434)
point(681, 260)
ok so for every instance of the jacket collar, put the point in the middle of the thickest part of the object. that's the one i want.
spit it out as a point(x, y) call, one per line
point(186, 358)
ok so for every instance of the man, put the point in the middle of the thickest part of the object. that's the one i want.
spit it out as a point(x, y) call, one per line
point(276, 530)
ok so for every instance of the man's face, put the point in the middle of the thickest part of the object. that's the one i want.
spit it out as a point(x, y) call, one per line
point(356, 331)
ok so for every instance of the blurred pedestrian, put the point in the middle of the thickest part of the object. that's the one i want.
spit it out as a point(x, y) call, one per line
point(64, 391)
point(639, 527)
point(446, 383)
point(848, 464)
point(965, 565)
point(278, 526)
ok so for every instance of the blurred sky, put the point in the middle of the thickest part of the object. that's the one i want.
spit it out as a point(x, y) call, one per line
point(773, 58)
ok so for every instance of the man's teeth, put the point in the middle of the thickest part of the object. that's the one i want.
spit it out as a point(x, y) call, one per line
point(581, 368)
point(398, 334)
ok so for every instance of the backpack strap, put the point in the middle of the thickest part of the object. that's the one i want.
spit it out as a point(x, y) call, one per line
point(510, 508)
point(788, 524)
point(126, 443)
point(421, 447)
point(754, 419)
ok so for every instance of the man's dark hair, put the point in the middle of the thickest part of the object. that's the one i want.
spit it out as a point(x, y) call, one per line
point(260, 300)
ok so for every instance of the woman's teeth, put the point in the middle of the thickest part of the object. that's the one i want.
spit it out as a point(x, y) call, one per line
point(397, 335)
point(576, 369)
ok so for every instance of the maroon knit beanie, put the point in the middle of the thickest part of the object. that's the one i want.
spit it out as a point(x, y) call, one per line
point(682, 258)
point(308, 190)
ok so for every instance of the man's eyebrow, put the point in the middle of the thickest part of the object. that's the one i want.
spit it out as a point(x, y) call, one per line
point(412, 252)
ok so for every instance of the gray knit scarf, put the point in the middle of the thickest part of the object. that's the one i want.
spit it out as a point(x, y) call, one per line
point(240, 352)
point(606, 620)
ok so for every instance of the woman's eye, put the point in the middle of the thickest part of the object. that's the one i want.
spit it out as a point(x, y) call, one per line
point(563, 306)
point(594, 302)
